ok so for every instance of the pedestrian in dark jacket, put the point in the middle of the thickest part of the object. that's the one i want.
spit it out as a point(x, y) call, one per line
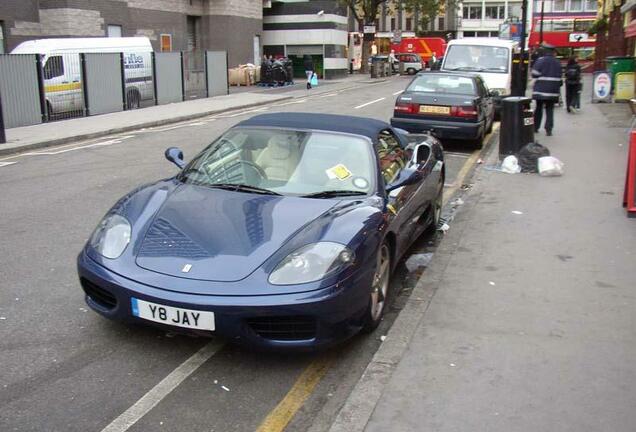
point(547, 88)
point(308, 64)
point(572, 84)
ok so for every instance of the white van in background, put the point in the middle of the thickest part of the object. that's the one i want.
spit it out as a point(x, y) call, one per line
point(492, 58)
point(62, 69)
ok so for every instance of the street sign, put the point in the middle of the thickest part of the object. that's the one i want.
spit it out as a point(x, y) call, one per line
point(601, 87)
point(397, 36)
point(624, 90)
point(369, 29)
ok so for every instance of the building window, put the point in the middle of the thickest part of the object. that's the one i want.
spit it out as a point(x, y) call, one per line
point(409, 24)
point(440, 23)
point(113, 30)
point(576, 5)
point(2, 49)
point(469, 34)
point(471, 11)
point(558, 6)
point(514, 10)
point(591, 5)
point(495, 12)
point(393, 24)
point(166, 42)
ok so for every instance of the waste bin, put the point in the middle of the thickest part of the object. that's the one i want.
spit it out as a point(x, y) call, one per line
point(375, 67)
point(517, 125)
point(617, 64)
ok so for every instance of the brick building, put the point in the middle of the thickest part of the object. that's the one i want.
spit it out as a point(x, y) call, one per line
point(171, 25)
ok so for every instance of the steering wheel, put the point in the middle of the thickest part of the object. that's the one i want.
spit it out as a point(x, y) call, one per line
point(260, 171)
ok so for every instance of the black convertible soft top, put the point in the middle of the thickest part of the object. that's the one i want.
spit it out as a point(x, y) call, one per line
point(367, 127)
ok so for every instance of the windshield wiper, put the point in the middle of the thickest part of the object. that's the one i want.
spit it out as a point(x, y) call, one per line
point(333, 194)
point(238, 187)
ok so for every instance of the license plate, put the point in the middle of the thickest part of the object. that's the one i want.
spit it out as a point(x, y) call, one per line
point(188, 318)
point(432, 109)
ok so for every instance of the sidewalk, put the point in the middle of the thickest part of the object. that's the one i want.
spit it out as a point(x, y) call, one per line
point(523, 322)
point(64, 131)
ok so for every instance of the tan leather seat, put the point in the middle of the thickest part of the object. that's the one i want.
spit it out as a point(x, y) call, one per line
point(280, 158)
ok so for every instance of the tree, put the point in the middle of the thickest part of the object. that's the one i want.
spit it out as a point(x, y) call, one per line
point(367, 11)
point(429, 9)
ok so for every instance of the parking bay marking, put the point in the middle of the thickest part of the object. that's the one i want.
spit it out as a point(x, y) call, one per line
point(281, 415)
point(163, 389)
point(398, 92)
point(369, 103)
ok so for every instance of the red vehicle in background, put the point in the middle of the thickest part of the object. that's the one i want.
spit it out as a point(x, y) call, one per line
point(424, 46)
point(569, 34)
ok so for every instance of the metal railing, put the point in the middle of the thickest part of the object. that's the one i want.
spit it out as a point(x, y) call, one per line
point(36, 88)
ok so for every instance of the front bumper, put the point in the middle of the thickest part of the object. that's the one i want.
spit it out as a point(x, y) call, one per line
point(441, 129)
point(307, 320)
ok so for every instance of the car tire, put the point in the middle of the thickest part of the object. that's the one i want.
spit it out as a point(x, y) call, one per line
point(479, 142)
point(437, 205)
point(379, 292)
point(492, 121)
point(410, 71)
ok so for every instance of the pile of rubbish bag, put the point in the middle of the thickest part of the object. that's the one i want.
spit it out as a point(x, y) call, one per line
point(533, 158)
point(277, 72)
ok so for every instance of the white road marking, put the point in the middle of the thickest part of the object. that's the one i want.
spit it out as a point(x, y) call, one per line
point(3, 164)
point(176, 127)
point(369, 103)
point(397, 93)
point(97, 144)
point(163, 389)
point(291, 103)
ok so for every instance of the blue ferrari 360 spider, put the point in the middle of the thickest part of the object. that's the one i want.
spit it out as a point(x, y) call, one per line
point(281, 233)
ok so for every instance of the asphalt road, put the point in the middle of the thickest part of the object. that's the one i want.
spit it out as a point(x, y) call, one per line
point(64, 368)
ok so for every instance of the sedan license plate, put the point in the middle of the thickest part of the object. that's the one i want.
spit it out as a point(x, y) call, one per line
point(432, 109)
point(188, 318)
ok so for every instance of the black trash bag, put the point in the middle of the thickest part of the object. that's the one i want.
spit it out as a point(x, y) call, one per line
point(289, 70)
point(529, 155)
point(266, 72)
point(279, 74)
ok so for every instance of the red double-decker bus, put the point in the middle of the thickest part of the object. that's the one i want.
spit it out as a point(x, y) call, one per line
point(569, 34)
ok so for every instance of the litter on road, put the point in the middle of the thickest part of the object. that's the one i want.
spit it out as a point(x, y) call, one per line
point(416, 261)
point(510, 165)
point(491, 283)
point(225, 388)
point(549, 166)
point(517, 212)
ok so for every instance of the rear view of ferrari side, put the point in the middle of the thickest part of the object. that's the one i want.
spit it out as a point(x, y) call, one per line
point(283, 232)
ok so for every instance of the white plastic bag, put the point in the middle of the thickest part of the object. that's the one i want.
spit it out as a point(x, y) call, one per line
point(550, 166)
point(510, 165)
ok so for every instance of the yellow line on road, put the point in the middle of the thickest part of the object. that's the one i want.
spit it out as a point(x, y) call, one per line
point(279, 417)
point(463, 172)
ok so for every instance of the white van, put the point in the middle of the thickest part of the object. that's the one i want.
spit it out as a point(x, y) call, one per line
point(492, 58)
point(62, 70)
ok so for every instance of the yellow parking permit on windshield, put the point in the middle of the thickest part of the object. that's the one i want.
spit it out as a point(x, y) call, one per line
point(339, 171)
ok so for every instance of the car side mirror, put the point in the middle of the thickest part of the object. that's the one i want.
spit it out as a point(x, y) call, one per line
point(493, 93)
point(175, 155)
point(407, 177)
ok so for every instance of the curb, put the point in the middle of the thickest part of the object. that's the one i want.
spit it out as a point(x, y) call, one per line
point(361, 402)
point(148, 124)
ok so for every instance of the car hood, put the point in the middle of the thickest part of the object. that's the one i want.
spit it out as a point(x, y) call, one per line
point(217, 235)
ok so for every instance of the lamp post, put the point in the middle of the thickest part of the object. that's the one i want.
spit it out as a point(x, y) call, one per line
point(541, 24)
point(3, 137)
point(521, 70)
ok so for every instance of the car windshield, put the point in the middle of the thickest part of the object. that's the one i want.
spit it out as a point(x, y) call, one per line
point(285, 162)
point(479, 58)
point(441, 83)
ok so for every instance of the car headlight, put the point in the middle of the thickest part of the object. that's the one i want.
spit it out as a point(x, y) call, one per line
point(311, 263)
point(111, 236)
